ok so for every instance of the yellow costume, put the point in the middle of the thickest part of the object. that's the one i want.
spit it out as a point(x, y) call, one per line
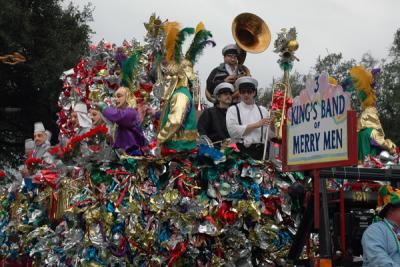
point(178, 130)
point(371, 137)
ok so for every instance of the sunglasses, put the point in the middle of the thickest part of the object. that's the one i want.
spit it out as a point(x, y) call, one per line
point(246, 91)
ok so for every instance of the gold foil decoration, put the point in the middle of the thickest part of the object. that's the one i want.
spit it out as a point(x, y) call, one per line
point(134, 207)
point(249, 207)
point(154, 26)
point(113, 197)
point(293, 45)
point(171, 196)
point(24, 228)
point(94, 95)
point(217, 261)
point(103, 72)
point(67, 189)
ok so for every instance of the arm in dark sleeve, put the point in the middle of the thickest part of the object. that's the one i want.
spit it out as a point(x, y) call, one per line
point(124, 117)
point(210, 81)
point(216, 77)
point(203, 123)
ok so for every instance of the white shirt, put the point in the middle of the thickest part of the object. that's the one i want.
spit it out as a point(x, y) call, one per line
point(42, 152)
point(230, 70)
point(248, 114)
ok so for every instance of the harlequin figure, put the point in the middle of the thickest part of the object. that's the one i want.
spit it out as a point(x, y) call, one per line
point(178, 120)
point(178, 131)
point(371, 137)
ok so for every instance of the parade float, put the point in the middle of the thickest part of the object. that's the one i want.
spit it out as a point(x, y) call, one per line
point(95, 204)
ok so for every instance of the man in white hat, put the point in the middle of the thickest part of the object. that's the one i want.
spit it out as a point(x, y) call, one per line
point(228, 71)
point(80, 119)
point(212, 121)
point(247, 122)
point(42, 146)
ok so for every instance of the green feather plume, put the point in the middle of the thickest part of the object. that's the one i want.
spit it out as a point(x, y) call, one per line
point(200, 41)
point(128, 68)
point(179, 42)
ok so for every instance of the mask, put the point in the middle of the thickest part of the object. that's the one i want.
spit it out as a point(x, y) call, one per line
point(170, 79)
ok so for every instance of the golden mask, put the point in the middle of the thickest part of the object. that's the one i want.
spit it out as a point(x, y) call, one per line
point(170, 79)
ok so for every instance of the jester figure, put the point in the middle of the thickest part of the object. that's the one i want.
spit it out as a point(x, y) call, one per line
point(371, 137)
point(178, 131)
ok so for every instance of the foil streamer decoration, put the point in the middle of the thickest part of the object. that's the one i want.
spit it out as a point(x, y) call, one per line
point(286, 44)
point(216, 208)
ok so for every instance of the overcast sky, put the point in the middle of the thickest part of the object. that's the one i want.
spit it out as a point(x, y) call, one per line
point(352, 27)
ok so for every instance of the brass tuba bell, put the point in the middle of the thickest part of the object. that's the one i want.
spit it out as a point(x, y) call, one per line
point(251, 33)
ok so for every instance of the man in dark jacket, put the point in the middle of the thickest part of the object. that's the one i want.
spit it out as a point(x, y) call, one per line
point(212, 121)
point(228, 71)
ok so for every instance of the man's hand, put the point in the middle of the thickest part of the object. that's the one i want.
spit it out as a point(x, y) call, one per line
point(252, 126)
point(273, 119)
point(230, 79)
point(264, 122)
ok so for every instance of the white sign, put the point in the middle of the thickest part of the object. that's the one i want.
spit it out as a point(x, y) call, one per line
point(317, 123)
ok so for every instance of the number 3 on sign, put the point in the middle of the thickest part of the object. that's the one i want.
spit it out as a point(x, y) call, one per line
point(317, 83)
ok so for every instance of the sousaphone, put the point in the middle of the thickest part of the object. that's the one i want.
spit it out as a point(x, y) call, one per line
point(251, 34)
